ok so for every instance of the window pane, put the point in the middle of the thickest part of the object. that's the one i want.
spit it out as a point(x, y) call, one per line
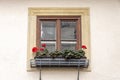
point(48, 30)
point(50, 45)
point(68, 30)
point(68, 45)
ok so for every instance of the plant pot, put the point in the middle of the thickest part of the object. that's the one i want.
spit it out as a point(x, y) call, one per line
point(58, 62)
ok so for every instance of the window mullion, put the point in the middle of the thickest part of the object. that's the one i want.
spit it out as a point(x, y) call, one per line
point(58, 37)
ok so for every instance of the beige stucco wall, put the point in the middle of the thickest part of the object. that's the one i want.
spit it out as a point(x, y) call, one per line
point(105, 40)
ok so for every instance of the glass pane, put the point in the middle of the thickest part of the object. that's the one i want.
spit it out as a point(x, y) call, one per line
point(68, 30)
point(68, 45)
point(48, 30)
point(50, 45)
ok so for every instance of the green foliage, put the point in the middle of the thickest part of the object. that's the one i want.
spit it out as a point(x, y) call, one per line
point(44, 53)
point(67, 54)
point(55, 54)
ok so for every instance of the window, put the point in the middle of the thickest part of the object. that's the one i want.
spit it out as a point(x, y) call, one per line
point(60, 28)
point(59, 32)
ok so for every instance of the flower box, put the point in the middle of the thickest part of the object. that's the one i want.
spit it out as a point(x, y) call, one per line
point(58, 62)
point(65, 58)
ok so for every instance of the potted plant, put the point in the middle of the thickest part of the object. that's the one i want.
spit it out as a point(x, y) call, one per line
point(59, 58)
point(67, 54)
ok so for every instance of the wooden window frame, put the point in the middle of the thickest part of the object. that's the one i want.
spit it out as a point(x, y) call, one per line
point(58, 20)
point(32, 22)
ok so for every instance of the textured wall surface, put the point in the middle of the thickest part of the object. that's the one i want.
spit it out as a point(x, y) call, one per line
point(105, 40)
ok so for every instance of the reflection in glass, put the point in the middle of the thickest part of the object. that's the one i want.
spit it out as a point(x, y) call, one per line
point(68, 30)
point(50, 45)
point(48, 30)
point(68, 45)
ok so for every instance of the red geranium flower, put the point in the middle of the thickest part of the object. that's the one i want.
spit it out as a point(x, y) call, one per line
point(41, 49)
point(34, 49)
point(44, 45)
point(84, 47)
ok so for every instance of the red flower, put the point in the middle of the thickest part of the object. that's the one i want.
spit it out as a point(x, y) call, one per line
point(41, 49)
point(84, 47)
point(34, 49)
point(44, 45)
